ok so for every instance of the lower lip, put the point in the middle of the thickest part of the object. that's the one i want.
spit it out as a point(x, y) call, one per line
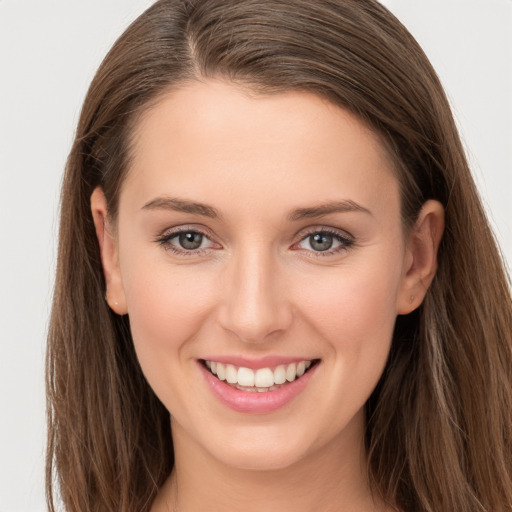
point(254, 401)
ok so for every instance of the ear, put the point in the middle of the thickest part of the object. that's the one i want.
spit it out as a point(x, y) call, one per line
point(421, 257)
point(114, 294)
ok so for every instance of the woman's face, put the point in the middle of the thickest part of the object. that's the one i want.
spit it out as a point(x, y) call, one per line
point(260, 236)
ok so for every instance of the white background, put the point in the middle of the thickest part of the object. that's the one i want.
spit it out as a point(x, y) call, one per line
point(49, 51)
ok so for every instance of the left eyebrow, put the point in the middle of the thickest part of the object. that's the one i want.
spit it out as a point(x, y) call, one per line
point(327, 208)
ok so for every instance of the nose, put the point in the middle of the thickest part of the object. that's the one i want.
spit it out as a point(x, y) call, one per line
point(255, 306)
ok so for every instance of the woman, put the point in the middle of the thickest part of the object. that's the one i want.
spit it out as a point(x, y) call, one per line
point(276, 284)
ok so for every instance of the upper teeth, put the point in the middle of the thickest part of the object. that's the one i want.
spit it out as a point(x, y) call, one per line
point(261, 378)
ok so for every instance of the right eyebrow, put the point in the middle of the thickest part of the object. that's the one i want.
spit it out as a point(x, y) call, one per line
point(182, 205)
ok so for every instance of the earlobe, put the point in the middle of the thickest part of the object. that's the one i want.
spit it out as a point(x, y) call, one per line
point(114, 293)
point(420, 263)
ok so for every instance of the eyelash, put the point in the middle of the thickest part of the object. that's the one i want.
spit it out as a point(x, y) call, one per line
point(165, 241)
point(345, 241)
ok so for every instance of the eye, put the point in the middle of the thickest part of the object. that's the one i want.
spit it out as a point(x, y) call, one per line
point(320, 241)
point(190, 240)
point(325, 241)
point(185, 241)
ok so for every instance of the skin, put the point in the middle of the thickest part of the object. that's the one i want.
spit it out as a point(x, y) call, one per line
point(257, 287)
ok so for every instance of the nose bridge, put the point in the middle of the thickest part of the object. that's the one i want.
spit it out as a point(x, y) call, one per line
point(255, 303)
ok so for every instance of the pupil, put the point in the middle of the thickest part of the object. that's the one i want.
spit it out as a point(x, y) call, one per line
point(320, 241)
point(191, 240)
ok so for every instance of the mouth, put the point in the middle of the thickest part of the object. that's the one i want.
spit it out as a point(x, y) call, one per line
point(261, 380)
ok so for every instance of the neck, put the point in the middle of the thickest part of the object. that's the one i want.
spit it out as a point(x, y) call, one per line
point(331, 479)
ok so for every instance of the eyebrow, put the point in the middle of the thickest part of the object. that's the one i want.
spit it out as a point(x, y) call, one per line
point(182, 205)
point(327, 208)
point(205, 210)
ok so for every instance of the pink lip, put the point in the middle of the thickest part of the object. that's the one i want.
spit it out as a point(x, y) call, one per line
point(254, 402)
point(255, 364)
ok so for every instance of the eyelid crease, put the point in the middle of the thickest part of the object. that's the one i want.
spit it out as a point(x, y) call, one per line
point(341, 233)
point(186, 228)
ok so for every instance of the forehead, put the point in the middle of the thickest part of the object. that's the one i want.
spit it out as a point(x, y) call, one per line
point(213, 138)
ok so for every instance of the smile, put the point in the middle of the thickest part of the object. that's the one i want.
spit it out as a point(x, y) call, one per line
point(258, 380)
point(269, 385)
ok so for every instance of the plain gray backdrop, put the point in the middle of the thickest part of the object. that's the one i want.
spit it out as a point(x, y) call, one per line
point(49, 50)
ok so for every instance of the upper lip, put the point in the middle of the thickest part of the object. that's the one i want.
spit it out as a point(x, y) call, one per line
point(270, 361)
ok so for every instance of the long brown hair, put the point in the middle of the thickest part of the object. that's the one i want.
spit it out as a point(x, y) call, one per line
point(439, 424)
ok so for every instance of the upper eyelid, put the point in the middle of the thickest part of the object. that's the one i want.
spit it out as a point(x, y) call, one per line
point(304, 233)
point(301, 235)
point(345, 239)
point(164, 239)
point(193, 228)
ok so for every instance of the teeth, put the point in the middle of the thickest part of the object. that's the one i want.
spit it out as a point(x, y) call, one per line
point(245, 376)
point(261, 380)
point(264, 378)
point(221, 371)
point(231, 374)
point(291, 372)
point(280, 375)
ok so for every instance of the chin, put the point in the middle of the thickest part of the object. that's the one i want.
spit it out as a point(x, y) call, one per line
point(261, 452)
point(260, 461)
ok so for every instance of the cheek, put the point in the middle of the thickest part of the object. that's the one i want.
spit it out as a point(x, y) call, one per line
point(353, 320)
point(166, 306)
point(168, 310)
point(354, 313)
point(355, 302)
